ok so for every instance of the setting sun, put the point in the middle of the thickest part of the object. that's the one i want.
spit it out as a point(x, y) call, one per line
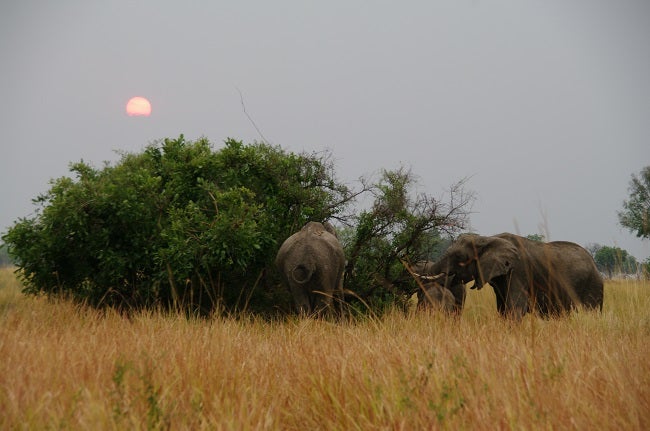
point(138, 106)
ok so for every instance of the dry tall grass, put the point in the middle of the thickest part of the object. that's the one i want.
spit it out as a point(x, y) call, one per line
point(63, 366)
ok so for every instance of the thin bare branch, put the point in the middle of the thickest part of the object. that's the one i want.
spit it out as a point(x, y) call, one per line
point(241, 98)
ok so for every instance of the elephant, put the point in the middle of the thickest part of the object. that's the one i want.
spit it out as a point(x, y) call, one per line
point(428, 273)
point(423, 267)
point(311, 263)
point(433, 295)
point(551, 278)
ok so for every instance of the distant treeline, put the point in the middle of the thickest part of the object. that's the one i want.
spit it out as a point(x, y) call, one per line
point(615, 261)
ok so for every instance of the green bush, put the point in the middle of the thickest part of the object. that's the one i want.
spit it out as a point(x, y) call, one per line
point(400, 227)
point(178, 225)
point(635, 215)
point(183, 226)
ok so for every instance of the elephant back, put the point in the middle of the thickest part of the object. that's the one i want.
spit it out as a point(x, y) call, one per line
point(304, 252)
point(317, 233)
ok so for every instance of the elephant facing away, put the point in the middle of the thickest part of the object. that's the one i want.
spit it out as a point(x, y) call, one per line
point(550, 278)
point(311, 262)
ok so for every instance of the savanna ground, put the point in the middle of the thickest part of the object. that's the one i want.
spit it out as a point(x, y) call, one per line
point(64, 366)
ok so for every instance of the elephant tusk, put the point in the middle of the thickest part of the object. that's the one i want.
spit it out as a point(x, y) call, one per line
point(431, 277)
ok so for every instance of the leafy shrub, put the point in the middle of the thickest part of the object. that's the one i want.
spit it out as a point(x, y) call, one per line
point(635, 215)
point(183, 226)
point(400, 227)
point(178, 225)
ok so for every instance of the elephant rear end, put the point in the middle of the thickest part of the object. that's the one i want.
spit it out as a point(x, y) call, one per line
point(312, 262)
point(590, 291)
point(579, 275)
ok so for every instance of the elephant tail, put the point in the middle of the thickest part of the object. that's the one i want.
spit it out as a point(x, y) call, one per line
point(302, 273)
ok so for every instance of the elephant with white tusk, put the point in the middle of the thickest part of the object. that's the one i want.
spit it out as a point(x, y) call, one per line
point(433, 295)
point(436, 289)
point(550, 278)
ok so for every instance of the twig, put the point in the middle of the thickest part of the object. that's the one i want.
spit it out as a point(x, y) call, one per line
point(241, 98)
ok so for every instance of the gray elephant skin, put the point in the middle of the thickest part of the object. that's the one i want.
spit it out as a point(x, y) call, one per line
point(551, 278)
point(434, 296)
point(311, 262)
point(436, 289)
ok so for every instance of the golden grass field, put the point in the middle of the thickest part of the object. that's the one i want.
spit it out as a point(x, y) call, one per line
point(64, 366)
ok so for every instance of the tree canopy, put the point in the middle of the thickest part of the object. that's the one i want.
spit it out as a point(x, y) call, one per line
point(400, 227)
point(176, 225)
point(635, 215)
point(181, 225)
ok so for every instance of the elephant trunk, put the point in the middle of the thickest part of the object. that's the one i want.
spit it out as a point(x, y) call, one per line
point(302, 273)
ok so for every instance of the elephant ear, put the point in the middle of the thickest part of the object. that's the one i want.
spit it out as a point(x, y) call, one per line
point(495, 257)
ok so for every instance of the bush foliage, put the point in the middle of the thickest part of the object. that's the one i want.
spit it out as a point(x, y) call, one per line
point(185, 226)
point(400, 228)
point(178, 224)
point(635, 215)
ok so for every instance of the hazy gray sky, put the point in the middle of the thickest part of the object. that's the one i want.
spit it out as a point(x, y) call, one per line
point(544, 104)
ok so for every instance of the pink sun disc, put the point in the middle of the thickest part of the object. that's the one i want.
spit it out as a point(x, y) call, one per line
point(138, 106)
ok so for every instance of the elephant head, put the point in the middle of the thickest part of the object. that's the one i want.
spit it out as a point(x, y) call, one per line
point(424, 267)
point(311, 262)
point(430, 278)
point(434, 295)
point(478, 258)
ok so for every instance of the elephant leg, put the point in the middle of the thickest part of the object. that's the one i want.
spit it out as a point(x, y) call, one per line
point(554, 299)
point(543, 308)
point(517, 302)
point(459, 293)
point(511, 296)
point(322, 302)
point(500, 287)
point(323, 293)
point(302, 298)
point(593, 300)
point(591, 294)
point(338, 294)
point(500, 294)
